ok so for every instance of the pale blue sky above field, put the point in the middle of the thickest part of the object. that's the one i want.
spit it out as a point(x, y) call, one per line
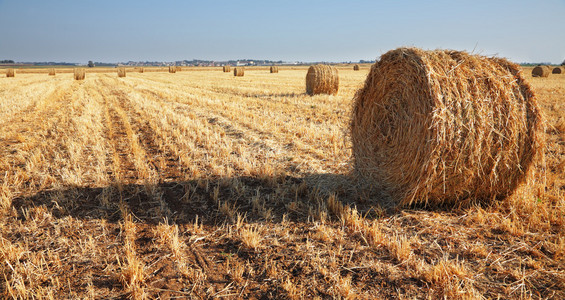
point(140, 30)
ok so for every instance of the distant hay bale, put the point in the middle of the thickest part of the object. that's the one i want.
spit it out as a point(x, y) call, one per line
point(79, 73)
point(274, 69)
point(557, 70)
point(172, 69)
point(10, 73)
point(444, 127)
point(541, 71)
point(121, 72)
point(227, 69)
point(356, 67)
point(140, 69)
point(238, 71)
point(179, 68)
point(51, 72)
point(322, 79)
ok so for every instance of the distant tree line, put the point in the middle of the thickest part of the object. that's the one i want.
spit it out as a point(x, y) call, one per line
point(6, 61)
point(535, 64)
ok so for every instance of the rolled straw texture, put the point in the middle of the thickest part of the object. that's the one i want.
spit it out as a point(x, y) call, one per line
point(79, 74)
point(541, 71)
point(227, 69)
point(238, 71)
point(557, 70)
point(444, 127)
point(322, 79)
point(355, 67)
point(172, 69)
point(10, 73)
point(274, 69)
point(121, 72)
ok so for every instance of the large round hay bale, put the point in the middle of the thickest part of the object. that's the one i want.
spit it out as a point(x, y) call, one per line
point(172, 69)
point(355, 67)
point(10, 73)
point(274, 69)
point(227, 69)
point(121, 72)
point(435, 127)
point(557, 70)
point(238, 71)
point(541, 71)
point(51, 72)
point(79, 73)
point(322, 79)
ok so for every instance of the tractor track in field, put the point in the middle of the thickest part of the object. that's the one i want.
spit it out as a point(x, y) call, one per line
point(232, 129)
point(161, 158)
point(123, 170)
point(216, 111)
point(41, 108)
point(161, 194)
point(249, 126)
point(22, 127)
point(265, 142)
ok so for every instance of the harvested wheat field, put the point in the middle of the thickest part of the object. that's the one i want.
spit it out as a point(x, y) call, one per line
point(205, 185)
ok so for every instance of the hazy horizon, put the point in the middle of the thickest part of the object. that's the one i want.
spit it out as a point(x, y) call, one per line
point(108, 31)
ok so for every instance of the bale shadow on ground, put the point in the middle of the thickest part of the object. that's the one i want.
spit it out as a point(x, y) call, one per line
point(210, 200)
point(213, 200)
point(289, 200)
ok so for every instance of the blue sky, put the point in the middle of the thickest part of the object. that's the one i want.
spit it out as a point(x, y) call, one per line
point(307, 30)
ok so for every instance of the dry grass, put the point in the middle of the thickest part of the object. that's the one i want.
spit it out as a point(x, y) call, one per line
point(210, 187)
point(420, 135)
point(322, 79)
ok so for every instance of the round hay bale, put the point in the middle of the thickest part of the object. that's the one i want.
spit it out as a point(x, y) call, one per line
point(10, 73)
point(179, 68)
point(172, 69)
point(541, 71)
point(140, 70)
point(238, 71)
point(355, 67)
point(227, 69)
point(79, 73)
point(121, 72)
point(444, 127)
point(322, 79)
point(274, 69)
point(51, 72)
point(557, 70)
